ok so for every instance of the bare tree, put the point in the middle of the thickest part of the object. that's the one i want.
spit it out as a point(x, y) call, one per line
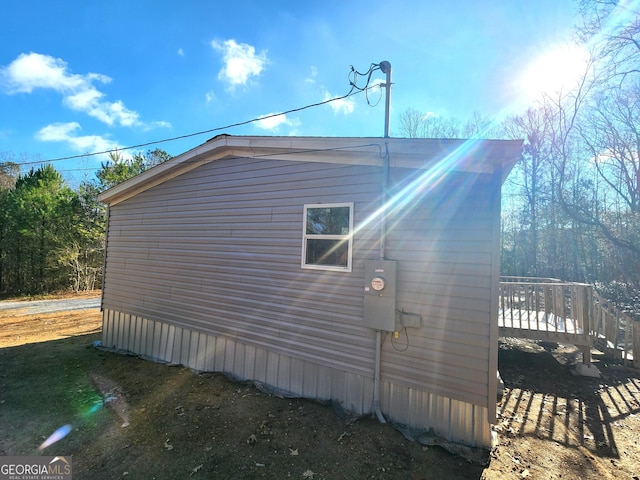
point(609, 131)
point(530, 180)
point(411, 123)
point(595, 134)
point(612, 135)
point(612, 29)
point(416, 124)
point(480, 126)
point(9, 171)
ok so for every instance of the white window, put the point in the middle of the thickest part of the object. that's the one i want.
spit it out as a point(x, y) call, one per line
point(328, 236)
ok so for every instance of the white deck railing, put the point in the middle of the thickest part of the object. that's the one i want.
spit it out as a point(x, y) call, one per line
point(551, 310)
point(616, 334)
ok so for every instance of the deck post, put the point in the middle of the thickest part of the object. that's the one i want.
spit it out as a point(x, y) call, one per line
point(586, 368)
point(636, 344)
point(586, 355)
point(586, 317)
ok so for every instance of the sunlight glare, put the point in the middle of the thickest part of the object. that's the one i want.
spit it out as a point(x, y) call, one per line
point(554, 72)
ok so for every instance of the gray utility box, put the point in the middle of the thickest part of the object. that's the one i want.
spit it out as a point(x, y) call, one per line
point(380, 294)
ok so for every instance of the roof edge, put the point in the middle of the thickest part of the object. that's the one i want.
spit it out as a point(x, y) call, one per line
point(472, 155)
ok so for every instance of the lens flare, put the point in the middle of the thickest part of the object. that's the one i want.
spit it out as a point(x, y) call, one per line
point(56, 436)
point(95, 401)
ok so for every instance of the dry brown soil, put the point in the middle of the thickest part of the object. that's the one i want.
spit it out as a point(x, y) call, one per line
point(134, 419)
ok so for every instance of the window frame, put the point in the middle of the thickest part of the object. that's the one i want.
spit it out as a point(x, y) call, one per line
point(348, 237)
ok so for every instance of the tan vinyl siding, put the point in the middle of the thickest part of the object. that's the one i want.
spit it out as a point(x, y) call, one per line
point(444, 247)
point(218, 250)
point(204, 270)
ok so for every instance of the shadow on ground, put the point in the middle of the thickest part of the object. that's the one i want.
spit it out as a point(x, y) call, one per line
point(590, 421)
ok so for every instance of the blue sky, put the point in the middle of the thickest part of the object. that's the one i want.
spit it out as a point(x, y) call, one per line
point(85, 76)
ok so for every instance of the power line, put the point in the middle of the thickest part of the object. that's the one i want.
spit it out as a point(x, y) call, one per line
point(211, 130)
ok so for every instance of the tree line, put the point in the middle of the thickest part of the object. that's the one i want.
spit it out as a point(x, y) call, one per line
point(52, 236)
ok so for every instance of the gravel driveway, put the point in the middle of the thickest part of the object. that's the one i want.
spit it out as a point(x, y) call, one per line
point(50, 306)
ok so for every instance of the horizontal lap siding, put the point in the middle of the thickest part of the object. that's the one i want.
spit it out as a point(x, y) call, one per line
point(444, 248)
point(207, 268)
point(218, 250)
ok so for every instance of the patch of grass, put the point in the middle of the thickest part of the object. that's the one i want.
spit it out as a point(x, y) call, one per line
point(46, 386)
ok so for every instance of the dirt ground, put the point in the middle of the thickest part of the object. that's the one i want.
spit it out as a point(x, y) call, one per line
point(134, 419)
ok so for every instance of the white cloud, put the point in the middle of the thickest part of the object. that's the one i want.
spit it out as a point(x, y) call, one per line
point(158, 124)
point(273, 122)
point(240, 62)
point(344, 105)
point(314, 74)
point(210, 96)
point(34, 70)
point(181, 52)
point(88, 101)
point(65, 132)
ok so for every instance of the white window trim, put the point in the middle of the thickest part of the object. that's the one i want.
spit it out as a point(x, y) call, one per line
point(349, 237)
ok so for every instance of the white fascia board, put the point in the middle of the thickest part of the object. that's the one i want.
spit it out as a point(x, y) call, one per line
point(475, 156)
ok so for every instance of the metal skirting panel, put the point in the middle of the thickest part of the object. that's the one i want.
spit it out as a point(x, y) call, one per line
point(456, 421)
point(451, 419)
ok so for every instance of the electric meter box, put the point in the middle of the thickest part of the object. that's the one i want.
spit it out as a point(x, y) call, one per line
point(380, 294)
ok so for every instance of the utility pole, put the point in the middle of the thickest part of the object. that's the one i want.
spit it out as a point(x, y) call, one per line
point(385, 67)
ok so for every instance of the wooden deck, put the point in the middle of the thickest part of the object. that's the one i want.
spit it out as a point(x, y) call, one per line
point(570, 313)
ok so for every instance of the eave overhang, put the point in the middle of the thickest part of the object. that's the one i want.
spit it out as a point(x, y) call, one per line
point(471, 155)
